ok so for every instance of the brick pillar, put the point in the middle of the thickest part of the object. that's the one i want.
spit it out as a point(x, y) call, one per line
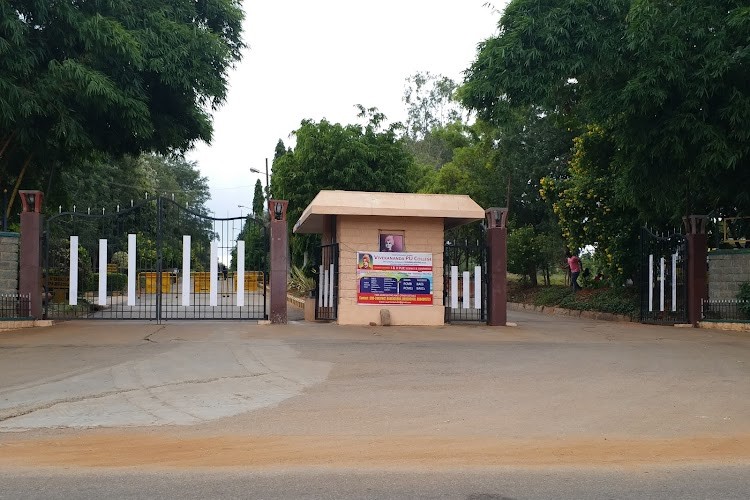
point(497, 264)
point(697, 241)
point(279, 260)
point(30, 275)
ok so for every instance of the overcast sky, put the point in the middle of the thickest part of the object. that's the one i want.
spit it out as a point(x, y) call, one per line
point(318, 59)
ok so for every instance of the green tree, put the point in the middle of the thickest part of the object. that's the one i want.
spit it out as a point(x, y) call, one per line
point(254, 233)
point(120, 77)
point(335, 156)
point(259, 200)
point(528, 253)
point(585, 203)
point(430, 104)
point(668, 80)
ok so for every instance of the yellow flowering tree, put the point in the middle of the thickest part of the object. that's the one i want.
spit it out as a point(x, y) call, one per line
point(586, 204)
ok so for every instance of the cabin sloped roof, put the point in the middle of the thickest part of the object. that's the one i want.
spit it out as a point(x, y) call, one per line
point(455, 209)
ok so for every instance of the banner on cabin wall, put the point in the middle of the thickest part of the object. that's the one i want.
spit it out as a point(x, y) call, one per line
point(396, 278)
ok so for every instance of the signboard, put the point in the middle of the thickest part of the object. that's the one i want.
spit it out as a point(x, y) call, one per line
point(396, 278)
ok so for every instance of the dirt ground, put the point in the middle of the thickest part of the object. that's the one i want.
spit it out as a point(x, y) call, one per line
point(142, 450)
point(552, 392)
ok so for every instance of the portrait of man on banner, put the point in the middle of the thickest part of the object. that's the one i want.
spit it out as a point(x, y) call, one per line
point(364, 261)
point(390, 242)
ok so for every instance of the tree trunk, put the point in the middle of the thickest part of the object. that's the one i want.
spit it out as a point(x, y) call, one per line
point(532, 277)
point(18, 183)
point(6, 143)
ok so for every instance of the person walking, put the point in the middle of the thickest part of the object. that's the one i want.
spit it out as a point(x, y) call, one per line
point(574, 264)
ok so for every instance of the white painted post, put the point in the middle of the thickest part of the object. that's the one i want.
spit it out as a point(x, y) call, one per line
point(651, 283)
point(185, 302)
point(466, 289)
point(331, 277)
point(325, 288)
point(662, 265)
point(454, 287)
point(73, 277)
point(214, 300)
point(320, 286)
point(674, 282)
point(240, 273)
point(131, 269)
point(102, 272)
point(478, 287)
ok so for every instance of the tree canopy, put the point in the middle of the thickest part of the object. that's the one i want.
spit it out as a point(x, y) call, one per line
point(116, 77)
point(667, 81)
point(652, 95)
point(334, 156)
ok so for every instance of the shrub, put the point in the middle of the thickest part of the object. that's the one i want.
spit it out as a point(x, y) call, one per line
point(120, 259)
point(300, 283)
point(610, 300)
point(115, 281)
point(552, 295)
point(744, 297)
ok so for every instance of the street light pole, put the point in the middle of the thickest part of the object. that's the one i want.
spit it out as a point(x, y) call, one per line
point(268, 186)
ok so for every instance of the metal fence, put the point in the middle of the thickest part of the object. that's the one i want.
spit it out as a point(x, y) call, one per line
point(465, 282)
point(727, 311)
point(15, 306)
point(327, 283)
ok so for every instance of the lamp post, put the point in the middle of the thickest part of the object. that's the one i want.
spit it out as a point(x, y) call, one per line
point(268, 187)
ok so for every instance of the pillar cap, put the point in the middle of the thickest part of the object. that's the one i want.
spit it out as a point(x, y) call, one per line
point(277, 209)
point(496, 217)
point(695, 224)
point(31, 200)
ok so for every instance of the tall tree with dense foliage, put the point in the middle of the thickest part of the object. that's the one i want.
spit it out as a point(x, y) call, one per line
point(666, 83)
point(334, 156)
point(81, 77)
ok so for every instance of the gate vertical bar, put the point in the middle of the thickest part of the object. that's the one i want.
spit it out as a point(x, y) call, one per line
point(131, 269)
point(159, 243)
point(102, 272)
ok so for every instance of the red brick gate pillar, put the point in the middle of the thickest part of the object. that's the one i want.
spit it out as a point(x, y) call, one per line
point(279, 260)
point(697, 254)
point(30, 263)
point(497, 263)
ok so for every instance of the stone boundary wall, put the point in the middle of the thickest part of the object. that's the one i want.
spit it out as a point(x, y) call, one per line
point(9, 262)
point(727, 270)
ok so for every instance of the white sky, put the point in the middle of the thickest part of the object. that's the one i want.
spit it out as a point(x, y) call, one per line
point(317, 59)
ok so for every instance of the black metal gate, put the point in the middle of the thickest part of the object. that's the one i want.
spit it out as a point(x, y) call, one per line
point(327, 283)
point(663, 278)
point(465, 282)
point(132, 263)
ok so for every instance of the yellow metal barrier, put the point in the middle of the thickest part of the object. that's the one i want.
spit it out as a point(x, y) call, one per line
point(253, 281)
point(148, 282)
point(201, 282)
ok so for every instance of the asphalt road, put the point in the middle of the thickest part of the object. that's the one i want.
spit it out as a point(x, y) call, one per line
point(726, 482)
point(555, 408)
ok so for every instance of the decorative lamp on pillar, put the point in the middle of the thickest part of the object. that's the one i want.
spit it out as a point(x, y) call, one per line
point(31, 200)
point(496, 217)
point(278, 209)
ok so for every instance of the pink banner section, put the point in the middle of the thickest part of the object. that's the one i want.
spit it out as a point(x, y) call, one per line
point(396, 278)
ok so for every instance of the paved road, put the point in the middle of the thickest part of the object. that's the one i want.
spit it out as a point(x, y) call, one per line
point(555, 408)
point(561, 484)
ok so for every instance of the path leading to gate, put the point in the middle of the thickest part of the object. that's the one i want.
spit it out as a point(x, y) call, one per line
point(552, 391)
